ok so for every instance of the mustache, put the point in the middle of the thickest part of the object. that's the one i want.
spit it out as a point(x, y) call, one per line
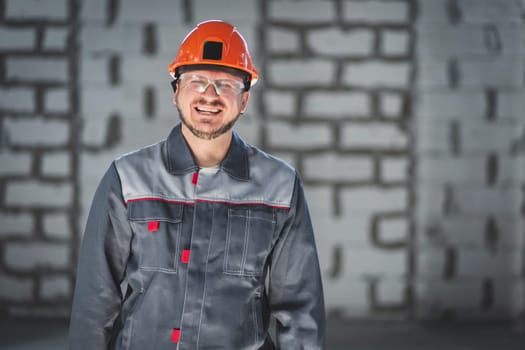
point(214, 103)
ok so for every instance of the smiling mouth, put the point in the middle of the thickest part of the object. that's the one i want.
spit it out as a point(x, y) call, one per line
point(208, 110)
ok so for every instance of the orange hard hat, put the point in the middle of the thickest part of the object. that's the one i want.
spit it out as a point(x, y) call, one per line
point(215, 43)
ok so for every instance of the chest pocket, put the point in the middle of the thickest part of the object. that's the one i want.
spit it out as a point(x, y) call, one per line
point(157, 228)
point(248, 240)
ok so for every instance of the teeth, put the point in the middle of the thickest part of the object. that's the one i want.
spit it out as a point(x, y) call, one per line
point(208, 110)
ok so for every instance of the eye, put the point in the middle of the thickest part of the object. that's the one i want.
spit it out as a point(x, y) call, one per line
point(197, 80)
point(225, 84)
point(228, 85)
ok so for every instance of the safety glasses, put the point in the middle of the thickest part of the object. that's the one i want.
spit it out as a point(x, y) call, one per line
point(199, 83)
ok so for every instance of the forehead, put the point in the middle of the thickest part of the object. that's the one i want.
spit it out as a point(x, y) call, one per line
point(212, 74)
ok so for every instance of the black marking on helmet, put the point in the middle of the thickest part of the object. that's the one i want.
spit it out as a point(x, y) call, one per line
point(212, 50)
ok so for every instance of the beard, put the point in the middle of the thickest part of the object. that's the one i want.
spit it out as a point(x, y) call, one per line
point(207, 135)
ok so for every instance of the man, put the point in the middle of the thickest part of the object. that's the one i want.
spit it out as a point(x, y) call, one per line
point(197, 241)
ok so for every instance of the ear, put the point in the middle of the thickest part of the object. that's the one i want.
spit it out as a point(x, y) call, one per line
point(244, 101)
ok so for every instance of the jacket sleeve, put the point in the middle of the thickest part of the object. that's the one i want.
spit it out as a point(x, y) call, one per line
point(295, 286)
point(101, 267)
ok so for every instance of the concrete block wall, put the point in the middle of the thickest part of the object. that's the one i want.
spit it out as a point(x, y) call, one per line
point(38, 155)
point(404, 118)
point(337, 89)
point(470, 132)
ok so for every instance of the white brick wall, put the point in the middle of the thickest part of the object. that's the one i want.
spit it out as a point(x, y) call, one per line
point(353, 230)
point(431, 11)
point(461, 295)
point(470, 201)
point(469, 197)
point(465, 299)
point(336, 42)
point(374, 263)
point(394, 169)
point(501, 73)
point(374, 74)
point(391, 292)
point(35, 194)
point(55, 287)
point(94, 132)
point(332, 167)
point(56, 39)
point(282, 40)
point(391, 105)
point(511, 104)
point(248, 126)
point(349, 73)
point(369, 200)
point(15, 163)
point(474, 138)
point(17, 225)
point(483, 264)
point(432, 74)
point(319, 200)
point(93, 11)
point(141, 11)
point(376, 11)
point(373, 135)
point(28, 256)
point(57, 101)
point(56, 164)
point(56, 226)
point(17, 99)
point(340, 101)
point(337, 104)
point(470, 232)
point(306, 136)
point(487, 10)
point(351, 291)
point(306, 12)
point(100, 101)
point(505, 200)
point(393, 230)
point(16, 288)
point(234, 11)
point(301, 72)
point(31, 69)
point(38, 101)
point(36, 9)
point(33, 132)
point(467, 170)
point(124, 39)
point(490, 137)
point(395, 42)
point(280, 103)
point(13, 38)
point(439, 41)
point(442, 105)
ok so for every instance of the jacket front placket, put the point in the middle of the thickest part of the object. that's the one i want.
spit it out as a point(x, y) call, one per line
point(194, 293)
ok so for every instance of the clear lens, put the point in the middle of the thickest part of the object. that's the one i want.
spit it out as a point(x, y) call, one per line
point(199, 83)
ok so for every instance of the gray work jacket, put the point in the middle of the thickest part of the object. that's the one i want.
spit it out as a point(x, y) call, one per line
point(177, 257)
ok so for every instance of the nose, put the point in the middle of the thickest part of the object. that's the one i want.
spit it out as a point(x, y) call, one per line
point(211, 84)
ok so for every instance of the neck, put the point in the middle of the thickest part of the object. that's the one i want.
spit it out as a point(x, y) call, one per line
point(208, 153)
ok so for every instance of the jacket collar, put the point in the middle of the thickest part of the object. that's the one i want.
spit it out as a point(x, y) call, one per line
point(181, 161)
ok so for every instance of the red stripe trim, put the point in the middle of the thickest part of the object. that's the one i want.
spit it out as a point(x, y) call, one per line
point(206, 201)
point(160, 199)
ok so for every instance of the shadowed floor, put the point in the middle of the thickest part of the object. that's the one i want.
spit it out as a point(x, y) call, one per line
point(46, 334)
